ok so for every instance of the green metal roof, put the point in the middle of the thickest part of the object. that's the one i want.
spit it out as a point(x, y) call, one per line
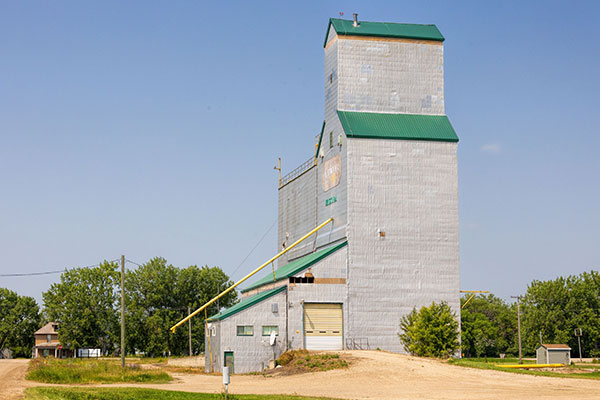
point(296, 266)
point(245, 303)
point(320, 139)
point(397, 126)
point(384, 29)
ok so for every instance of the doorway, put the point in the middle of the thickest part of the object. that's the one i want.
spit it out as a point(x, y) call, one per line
point(229, 361)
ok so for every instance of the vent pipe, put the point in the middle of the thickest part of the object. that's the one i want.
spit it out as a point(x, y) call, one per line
point(355, 21)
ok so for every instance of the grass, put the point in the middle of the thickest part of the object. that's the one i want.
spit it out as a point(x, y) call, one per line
point(53, 393)
point(303, 361)
point(578, 371)
point(49, 370)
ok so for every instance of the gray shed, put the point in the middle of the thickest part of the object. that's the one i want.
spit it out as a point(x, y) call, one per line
point(553, 354)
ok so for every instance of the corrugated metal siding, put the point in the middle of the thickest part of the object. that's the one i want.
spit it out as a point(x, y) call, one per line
point(245, 303)
point(559, 356)
point(397, 126)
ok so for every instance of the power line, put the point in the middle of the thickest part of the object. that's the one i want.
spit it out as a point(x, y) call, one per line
point(254, 248)
point(245, 258)
point(58, 271)
point(133, 262)
point(34, 273)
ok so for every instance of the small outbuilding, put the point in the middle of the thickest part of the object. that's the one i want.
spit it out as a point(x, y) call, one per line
point(553, 354)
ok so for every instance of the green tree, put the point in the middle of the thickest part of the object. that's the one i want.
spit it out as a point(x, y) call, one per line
point(488, 327)
point(430, 332)
point(19, 319)
point(157, 297)
point(556, 307)
point(85, 304)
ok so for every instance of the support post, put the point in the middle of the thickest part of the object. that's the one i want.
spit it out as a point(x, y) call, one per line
point(122, 311)
point(278, 168)
point(190, 333)
point(208, 339)
point(578, 333)
point(519, 326)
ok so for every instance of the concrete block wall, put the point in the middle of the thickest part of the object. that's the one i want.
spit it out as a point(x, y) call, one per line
point(409, 190)
point(392, 76)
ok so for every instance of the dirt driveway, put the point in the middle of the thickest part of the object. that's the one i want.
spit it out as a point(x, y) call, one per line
point(12, 378)
point(380, 375)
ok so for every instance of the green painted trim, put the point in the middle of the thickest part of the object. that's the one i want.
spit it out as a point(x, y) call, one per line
point(397, 126)
point(245, 303)
point(295, 266)
point(327, 33)
point(320, 140)
point(384, 29)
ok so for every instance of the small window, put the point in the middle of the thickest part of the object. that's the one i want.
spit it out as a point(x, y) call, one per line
point(245, 330)
point(302, 279)
point(48, 338)
point(331, 139)
point(331, 77)
point(267, 329)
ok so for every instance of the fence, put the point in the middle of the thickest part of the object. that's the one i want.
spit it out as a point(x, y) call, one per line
point(305, 166)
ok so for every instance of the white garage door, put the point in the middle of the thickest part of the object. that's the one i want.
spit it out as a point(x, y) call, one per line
point(323, 326)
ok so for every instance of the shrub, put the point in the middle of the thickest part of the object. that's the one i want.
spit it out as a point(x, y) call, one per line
point(430, 332)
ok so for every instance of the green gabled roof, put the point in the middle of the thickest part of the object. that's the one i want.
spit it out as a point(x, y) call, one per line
point(296, 266)
point(397, 126)
point(245, 303)
point(384, 29)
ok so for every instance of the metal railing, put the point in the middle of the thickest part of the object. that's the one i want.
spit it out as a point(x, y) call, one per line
point(305, 166)
point(357, 344)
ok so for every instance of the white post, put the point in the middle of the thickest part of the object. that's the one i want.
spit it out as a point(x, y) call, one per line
point(226, 379)
point(36, 353)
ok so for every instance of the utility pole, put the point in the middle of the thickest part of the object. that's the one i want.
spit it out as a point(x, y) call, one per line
point(190, 331)
point(122, 311)
point(519, 326)
point(578, 333)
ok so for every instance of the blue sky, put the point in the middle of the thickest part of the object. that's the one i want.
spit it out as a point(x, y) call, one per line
point(152, 128)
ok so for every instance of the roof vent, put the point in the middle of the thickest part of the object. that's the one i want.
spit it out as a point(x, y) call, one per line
point(355, 21)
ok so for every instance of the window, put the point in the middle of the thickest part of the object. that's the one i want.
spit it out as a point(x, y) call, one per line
point(267, 329)
point(245, 330)
point(331, 77)
point(302, 279)
point(48, 338)
point(331, 139)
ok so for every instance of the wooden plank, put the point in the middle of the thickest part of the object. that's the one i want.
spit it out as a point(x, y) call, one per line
point(386, 39)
